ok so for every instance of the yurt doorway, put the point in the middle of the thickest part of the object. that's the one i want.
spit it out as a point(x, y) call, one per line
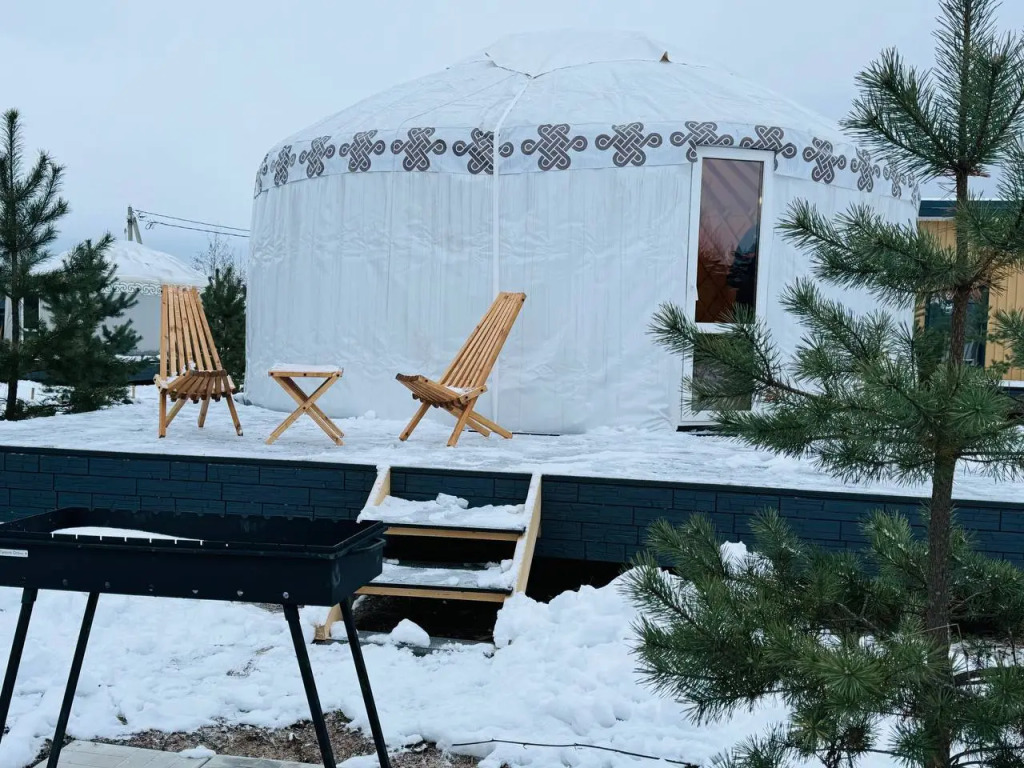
point(727, 255)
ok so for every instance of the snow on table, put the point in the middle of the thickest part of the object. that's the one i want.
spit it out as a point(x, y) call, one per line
point(303, 367)
point(117, 533)
point(449, 511)
point(493, 576)
point(644, 454)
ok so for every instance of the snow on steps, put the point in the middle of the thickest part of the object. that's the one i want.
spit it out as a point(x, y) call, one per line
point(492, 582)
point(451, 518)
point(449, 512)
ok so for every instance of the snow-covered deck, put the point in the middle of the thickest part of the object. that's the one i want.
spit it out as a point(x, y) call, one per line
point(608, 453)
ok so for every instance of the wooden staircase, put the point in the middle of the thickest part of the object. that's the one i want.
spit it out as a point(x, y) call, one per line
point(450, 581)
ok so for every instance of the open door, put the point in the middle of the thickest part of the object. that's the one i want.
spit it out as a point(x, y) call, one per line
point(729, 238)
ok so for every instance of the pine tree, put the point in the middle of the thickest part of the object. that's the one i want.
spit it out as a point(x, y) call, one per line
point(30, 206)
point(86, 356)
point(224, 304)
point(840, 638)
point(865, 395)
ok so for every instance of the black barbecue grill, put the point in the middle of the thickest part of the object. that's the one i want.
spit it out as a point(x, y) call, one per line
point(287, 561)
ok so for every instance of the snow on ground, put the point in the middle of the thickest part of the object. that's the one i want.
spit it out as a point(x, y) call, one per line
point(621, 453)
point(28, 391)
point(561, 672)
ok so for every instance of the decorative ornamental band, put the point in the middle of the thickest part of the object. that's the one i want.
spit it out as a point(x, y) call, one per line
point(144, 289)
point(561, 147)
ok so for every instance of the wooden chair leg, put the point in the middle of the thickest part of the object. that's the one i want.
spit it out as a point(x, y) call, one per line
point(460, 424)
point(473, 423)
point(162, 428)
point(234, 413)
point(491, 425)
point(478, 425)
point(415, 421)
point(178, 405)
point(202, 411)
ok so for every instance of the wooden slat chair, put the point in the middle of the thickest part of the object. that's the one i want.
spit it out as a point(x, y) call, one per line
point(466, 378)
point(190, 368)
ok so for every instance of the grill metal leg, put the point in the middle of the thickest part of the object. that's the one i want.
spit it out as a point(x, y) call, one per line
point(291, 612)
point(76, 669)
point(28, 599)
point(364, 683)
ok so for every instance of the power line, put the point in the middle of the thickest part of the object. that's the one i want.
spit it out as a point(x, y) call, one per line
point(577, 746)
point(144, 214)
point(150, 223)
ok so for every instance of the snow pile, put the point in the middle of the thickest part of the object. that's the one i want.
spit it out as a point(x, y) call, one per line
point(563, 672)
point(197, 753)
point(410, 633)
point(447, 510)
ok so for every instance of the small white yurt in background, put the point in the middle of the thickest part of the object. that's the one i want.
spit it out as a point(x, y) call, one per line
point(145, 270)
point(600, 173)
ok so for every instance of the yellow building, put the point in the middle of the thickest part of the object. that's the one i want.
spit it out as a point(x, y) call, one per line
point(936, 216)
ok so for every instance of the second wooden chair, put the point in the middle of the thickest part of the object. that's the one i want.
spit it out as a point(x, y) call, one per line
point(461, 385)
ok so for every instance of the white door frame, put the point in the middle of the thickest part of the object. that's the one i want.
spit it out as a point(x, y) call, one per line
point(764, 248)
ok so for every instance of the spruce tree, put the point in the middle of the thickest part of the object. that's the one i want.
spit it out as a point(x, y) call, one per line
point(224, 304)
point(86, 355)
point(30, 206)
point(869, 397)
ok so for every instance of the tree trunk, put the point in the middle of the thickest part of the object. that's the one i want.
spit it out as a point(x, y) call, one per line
point(936, 718)
point(14, 373)
point(941, 520)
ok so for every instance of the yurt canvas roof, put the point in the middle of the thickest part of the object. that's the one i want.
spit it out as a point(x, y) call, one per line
point(579, 98)
point(139, 264)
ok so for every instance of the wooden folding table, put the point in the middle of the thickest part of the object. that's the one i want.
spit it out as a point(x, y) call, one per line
point(285, 376)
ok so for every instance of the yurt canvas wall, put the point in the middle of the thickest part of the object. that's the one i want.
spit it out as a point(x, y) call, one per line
point(567, 168)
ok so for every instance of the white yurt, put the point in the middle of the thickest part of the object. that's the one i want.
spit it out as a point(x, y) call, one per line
point(145, 270)
point(624, 176)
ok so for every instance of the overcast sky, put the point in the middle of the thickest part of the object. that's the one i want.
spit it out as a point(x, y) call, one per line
point(170, 106)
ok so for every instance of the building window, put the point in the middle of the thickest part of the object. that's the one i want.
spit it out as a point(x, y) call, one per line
point(938, 316)
point(30, 313)
point(728, 238)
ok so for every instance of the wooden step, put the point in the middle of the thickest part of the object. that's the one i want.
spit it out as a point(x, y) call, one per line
point(442, 581)
point(453, 532)
point(452, 582)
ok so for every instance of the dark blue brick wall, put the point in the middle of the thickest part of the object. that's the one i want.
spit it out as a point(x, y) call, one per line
point(478, 488)
point(582, 518)
point(609, 518)
point(37, 480)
